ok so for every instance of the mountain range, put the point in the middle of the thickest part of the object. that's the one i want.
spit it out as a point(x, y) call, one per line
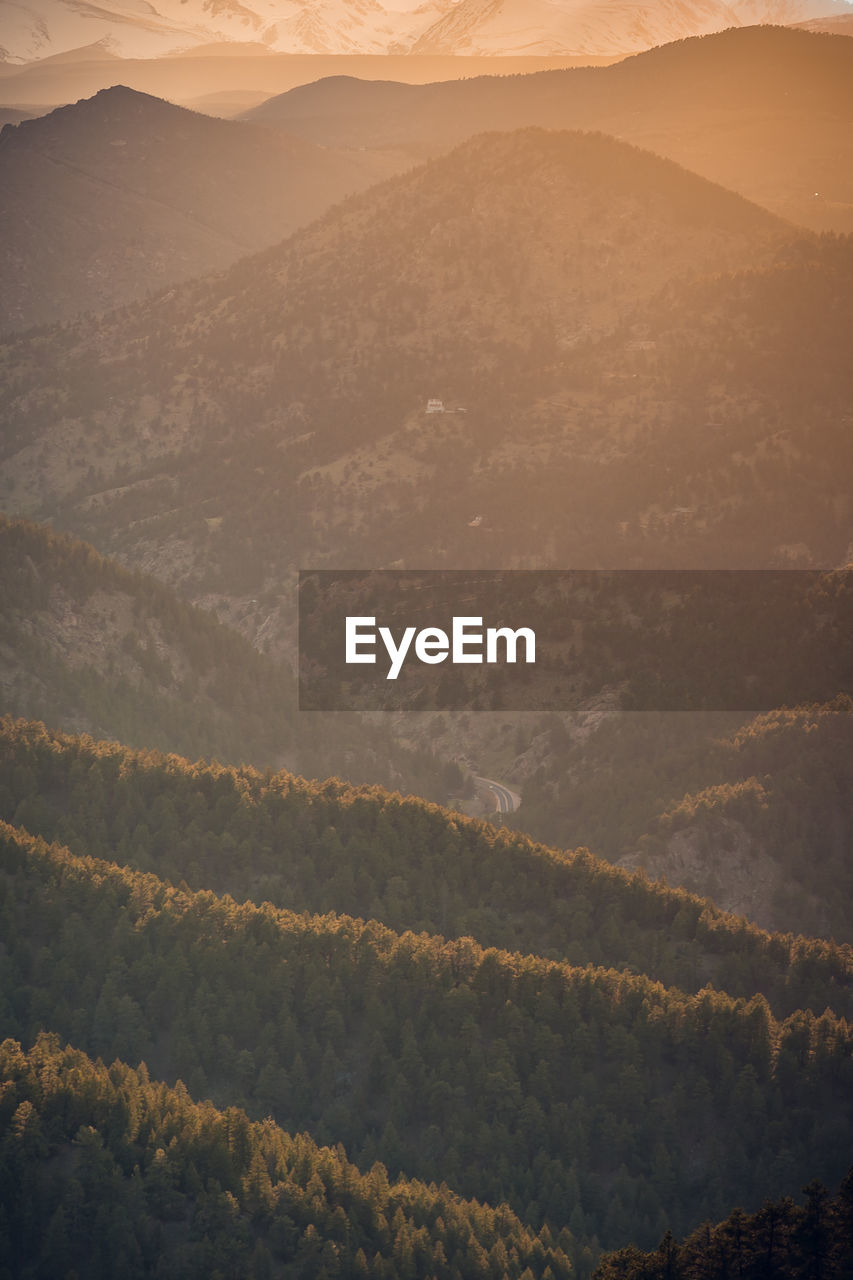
point(750, 812)
point(333, 342)
point(541, 347)
point(284, 400)
point(38, 28)
point(321, 847)
point(764, 111)
point(122, 194)
point(93, 648)
point(653, 370)
point(518, 1079)
point(209, 77)
point(115, 196)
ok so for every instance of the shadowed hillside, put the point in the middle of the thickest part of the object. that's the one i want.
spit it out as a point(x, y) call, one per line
point(763, 110)
point(327, 847)
point(755, 817)
point(543, 349)
point(110, 198)
point(815, 1238)
point(267, 391)
point(91, 647)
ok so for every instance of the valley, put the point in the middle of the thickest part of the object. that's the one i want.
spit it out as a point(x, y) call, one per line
point(276, 999)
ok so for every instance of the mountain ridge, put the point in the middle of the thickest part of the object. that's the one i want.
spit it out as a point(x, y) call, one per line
point(228, 1188)
point(330, 848)
point(765, 111)
point(387, 317)
point(37, 27)
point(94, 648)
point(122, 193)
point(377, 1040)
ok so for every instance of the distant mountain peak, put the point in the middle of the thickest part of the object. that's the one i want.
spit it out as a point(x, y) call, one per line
point(36, 29)
point(118, 104)
point(116, 194)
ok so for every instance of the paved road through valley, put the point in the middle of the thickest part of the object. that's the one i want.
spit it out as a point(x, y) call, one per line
point(506, 801)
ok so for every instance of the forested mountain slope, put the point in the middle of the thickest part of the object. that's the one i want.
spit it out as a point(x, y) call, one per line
point(639, 369)
point(328, 847)
point(708, 428)
point(763, 110)
point(591, 1099)
point(95, 648)
point(755, 816)
point(112, 197)
point(786, 1239)
point(284, 400)
point(274, 417)
point(110, 1172)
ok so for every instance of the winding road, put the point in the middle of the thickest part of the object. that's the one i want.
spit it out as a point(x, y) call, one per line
point(506, 801)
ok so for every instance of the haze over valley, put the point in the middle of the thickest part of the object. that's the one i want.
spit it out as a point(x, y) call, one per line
point(280, 997)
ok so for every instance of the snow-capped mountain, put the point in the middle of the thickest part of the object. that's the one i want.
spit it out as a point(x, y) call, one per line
point(146, 28)
point(598, 27)
point(32, 29)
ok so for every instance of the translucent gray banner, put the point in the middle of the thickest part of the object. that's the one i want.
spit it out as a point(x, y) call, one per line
point(512, 640)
